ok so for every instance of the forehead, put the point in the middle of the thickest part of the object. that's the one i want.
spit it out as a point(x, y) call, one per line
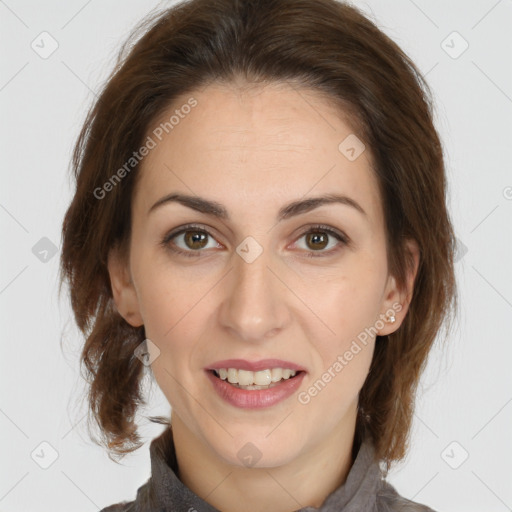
point(247, 146)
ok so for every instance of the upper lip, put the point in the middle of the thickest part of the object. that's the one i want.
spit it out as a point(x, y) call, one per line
point(254, 366)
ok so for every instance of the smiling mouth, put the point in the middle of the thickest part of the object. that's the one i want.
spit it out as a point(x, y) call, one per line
point(253, 381)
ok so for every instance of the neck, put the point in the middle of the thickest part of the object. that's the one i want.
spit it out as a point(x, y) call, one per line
point(305, 481)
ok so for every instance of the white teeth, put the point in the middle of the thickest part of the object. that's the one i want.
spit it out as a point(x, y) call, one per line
point(245, 378)
point(263, 378)
point(287, 374)
point(277, 374)
point(232, 375)
point(260, 378)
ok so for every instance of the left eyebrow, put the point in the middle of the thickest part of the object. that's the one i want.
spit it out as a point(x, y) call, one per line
point(292, 209)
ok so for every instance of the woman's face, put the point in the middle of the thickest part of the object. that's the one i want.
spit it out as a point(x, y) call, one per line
point(251, 284)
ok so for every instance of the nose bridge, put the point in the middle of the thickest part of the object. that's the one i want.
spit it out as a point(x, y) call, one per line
point(255, 307)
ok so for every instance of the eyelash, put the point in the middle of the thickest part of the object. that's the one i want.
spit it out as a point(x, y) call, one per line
point(310, 254)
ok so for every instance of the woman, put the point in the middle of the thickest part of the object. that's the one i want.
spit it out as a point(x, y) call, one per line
point(260, 222)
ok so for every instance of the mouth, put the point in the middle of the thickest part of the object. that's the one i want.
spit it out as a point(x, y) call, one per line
point(255, 381)
point(255, 384)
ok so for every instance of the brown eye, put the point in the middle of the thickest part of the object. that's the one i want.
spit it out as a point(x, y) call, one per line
point(195, 239)
point(190, 241)
point(317, 240)
point(321, 241)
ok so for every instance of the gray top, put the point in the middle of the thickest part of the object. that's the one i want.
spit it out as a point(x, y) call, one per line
point(365, 489)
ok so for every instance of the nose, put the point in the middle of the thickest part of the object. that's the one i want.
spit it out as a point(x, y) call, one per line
point(255, 307)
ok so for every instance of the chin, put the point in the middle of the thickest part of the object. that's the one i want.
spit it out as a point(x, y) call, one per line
point(258, 450)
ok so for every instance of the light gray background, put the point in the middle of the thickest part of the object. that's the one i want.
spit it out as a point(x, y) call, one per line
point(465, 396)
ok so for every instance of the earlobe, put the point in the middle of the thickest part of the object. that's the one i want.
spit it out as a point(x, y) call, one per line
point(123, 290)
point(398, 298)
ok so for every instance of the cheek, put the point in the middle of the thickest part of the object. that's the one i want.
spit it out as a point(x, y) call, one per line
point(335, 390)
point(350, 308)
point(170, 309)
point(349, 305)
point(174, 305)
point(166, 296)
point(349, 301)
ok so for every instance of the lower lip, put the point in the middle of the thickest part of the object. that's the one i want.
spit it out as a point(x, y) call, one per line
point(256, 398)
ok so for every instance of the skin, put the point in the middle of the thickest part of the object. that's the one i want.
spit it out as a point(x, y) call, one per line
point(254, 150)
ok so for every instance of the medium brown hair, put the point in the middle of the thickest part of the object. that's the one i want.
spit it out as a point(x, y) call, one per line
point(322, 45)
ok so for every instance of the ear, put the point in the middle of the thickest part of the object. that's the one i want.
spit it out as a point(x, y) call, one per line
point(397, 299)
point(123, 290)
